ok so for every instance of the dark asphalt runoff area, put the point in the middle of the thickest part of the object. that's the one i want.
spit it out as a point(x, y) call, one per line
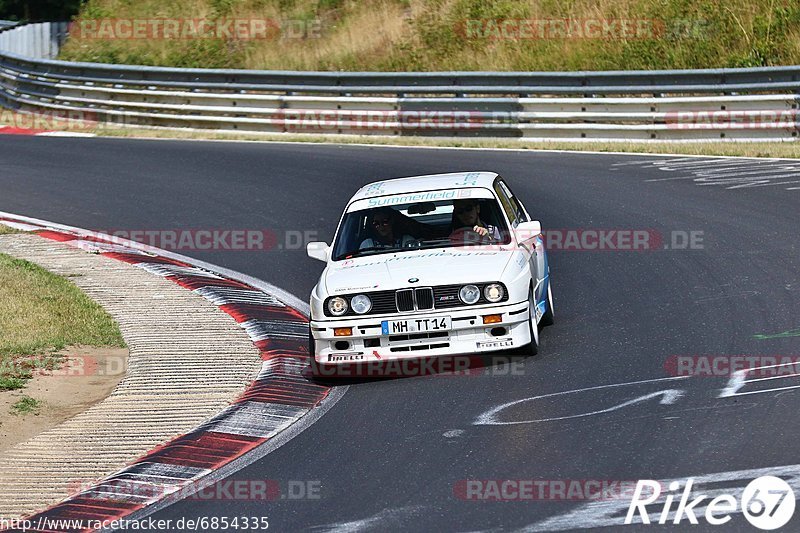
point(396, 454)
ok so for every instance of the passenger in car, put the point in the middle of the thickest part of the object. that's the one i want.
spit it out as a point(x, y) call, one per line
point(466, 216)
point(382, 224)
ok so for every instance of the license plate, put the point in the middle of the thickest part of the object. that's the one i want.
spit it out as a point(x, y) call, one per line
point(416, 325)
point(503, 343)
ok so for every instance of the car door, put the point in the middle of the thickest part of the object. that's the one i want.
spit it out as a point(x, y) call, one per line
point(533, 245)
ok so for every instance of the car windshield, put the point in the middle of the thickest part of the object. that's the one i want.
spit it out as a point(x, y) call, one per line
point(419, 225)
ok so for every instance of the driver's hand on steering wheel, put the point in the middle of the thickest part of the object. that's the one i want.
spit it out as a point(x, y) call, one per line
point(480, 230)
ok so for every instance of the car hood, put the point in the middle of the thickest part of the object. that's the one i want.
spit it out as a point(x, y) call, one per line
point(430, 267)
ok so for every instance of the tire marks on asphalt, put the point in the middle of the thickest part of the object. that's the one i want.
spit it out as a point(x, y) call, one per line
point(724, 172)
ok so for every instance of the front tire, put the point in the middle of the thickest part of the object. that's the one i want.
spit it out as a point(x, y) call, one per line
point(547, 317)
point(532, 348)
point(312, 346)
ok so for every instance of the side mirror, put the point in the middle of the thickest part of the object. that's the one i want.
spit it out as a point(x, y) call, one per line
point(319, 250)
point(528, 230)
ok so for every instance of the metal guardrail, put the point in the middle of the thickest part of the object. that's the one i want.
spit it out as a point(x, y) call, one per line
point(624, 105)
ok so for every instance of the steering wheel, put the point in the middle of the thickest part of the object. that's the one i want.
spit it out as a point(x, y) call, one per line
point(467, 236)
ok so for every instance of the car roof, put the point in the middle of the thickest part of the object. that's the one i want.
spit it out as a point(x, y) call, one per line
point(453, 180)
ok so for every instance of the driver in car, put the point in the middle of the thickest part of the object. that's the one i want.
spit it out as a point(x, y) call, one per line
point(383, 221)
point(466, 216)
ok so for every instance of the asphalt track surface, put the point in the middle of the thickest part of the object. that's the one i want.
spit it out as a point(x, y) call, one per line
point(390, 453)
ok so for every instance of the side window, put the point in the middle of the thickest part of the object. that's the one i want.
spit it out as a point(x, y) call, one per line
point(509, 206)
point(520, 211)
point(521, 215)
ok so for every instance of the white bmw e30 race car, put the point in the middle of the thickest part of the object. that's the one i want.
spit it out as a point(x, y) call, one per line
point(428, 266)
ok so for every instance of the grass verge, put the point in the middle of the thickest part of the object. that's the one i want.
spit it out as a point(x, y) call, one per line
point(25, 405)
point(411, 35)
point(729, 148)
point(40, 314)
point(5, 230)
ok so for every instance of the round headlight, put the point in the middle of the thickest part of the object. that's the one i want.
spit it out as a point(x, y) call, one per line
point(337, 306)
point(469, 294)
point(494, 292)
point(361, 304)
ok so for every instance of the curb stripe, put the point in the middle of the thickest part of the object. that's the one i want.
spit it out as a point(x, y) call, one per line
point(192, 283)
point(13, 130)
point(168, 271)
point(278, 397)
point(56, 235)
point(134, 258)
point(245, 312)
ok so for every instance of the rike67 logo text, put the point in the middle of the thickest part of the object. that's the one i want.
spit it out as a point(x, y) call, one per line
point(767, 503)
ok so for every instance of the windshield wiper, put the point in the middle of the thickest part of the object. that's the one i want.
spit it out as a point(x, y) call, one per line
point(440, 243)
point(433, 242)
point(368, 249)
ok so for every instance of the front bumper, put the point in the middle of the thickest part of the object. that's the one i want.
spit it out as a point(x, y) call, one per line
point(468, 335)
